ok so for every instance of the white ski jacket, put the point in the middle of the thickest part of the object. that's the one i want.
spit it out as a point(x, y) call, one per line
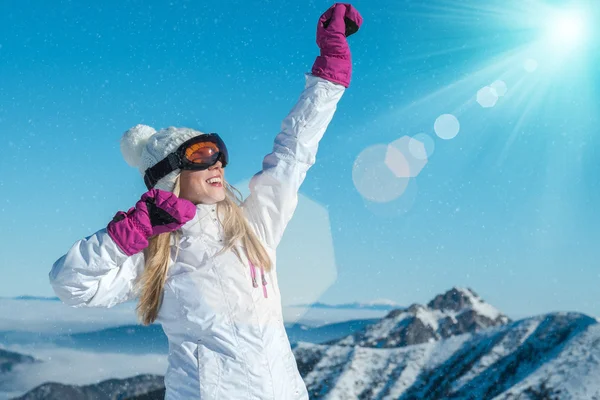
point(226, 336)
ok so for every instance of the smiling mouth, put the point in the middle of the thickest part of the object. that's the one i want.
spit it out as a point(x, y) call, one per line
point(215, 182)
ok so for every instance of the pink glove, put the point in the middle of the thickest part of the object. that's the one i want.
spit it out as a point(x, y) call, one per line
point(335, 63)
point(156, 212)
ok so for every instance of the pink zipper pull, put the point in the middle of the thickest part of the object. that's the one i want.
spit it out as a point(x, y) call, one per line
point(253, 274)
point(264, 281)
point(262, 275)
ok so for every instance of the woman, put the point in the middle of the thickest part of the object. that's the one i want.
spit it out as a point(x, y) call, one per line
point(191, 250)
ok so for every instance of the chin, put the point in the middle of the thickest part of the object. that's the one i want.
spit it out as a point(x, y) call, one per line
point(214, 199)
point(221, 198)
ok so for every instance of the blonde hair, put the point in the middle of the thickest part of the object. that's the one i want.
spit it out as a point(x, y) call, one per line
point(157, 255)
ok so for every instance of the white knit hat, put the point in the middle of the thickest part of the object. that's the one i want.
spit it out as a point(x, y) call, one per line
point(142, 147)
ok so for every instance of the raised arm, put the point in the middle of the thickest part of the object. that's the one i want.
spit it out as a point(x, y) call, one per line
point(274, 190)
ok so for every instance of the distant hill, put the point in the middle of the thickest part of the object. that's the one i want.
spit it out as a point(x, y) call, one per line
point(10, 359)
point(25, 297)
point(106, 390)
point(383, 305)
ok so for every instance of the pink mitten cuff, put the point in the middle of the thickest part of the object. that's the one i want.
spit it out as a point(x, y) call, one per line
point(333, 69)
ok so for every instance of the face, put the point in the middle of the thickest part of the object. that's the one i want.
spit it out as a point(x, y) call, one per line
point(203, 187)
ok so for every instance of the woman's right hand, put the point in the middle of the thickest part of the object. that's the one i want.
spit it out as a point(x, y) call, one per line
point(156, 212)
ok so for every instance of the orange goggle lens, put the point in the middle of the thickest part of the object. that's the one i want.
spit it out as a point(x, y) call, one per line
point(202, 153)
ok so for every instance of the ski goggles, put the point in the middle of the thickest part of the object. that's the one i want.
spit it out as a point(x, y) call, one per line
point(197, 153)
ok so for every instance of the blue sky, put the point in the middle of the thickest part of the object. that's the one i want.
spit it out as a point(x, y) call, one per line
point(508, 207)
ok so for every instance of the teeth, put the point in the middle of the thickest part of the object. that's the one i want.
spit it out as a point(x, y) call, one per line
point(214, 180)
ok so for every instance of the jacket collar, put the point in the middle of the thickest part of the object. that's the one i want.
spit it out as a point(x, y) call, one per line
point(205, 221)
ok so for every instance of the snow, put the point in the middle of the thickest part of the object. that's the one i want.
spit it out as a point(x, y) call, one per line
point(518, 334)
point(486, 310)
point(480, 306)
point(364, 368)
point(327, 369)
point(575, 370)
point(383, 328)
point(423, 357)
point(351, 371)
point(444, 349)
point(430, 318)
point(363, 362)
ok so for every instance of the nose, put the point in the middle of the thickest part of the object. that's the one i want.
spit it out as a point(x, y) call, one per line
point(217, 165)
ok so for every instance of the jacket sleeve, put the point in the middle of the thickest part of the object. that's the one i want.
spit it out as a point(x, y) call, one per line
point(95, 273)
point(274, 190)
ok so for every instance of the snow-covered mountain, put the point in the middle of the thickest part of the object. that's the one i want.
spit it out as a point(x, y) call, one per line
point(452, 313)
point(479, 355)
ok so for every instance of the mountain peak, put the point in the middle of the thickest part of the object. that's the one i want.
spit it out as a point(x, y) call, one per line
point(458, 311)
point(460, 300)
point(455, 299)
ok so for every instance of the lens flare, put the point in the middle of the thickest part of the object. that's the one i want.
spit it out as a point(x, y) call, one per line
point(446, 126)
point(530, 65)
point(416, 144)
point(487, 97)
point(406, 157)
point(373, 178)
point(500, 87)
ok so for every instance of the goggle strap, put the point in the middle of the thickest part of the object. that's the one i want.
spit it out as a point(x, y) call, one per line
point(161, 169)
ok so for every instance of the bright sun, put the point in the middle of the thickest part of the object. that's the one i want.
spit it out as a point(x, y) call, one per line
point(566, 29)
